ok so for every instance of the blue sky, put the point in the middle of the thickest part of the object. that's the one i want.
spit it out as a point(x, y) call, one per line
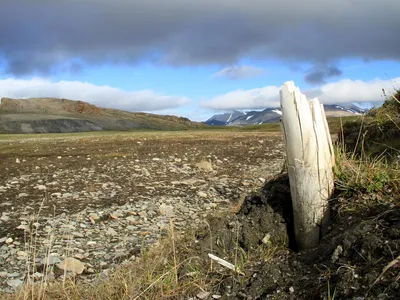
point(196, 58)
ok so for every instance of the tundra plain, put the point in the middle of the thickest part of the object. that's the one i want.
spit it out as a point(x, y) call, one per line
point(99, 198)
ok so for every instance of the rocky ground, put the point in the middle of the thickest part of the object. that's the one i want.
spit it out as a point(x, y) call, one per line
point(84, 204)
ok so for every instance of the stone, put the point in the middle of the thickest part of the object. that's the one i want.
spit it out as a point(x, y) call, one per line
point(23, 227)
point(15, 283)
point(203, 295)
point(202, 194)
point(51, 260)
point(71, 265)
point(111, 232)
point(41, 187)
point(146, 172)
point(166, 210)
point(205, 166)
point(338, 251)
point(5, 218)
point(22, 254)
point(94, 216)
point(266, 239)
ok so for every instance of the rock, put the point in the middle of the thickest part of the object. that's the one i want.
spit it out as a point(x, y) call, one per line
point(22, 254)
point(203, 295)
point(95, 217)
point(338, 251)
point(40, 187)
point(266, 239)
point(205, 166)
point(71, 265)
point(51, 260)
point(5, 218)
point(202, 194)
point(23, 195)
point(146, 172)
point(132, 220)
point(15, 283)
point(111, 232)
point(166, 210)
point(17, 161)
point(24, 227)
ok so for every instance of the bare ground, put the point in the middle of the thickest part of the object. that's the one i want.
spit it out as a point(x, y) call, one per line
point(101, 196)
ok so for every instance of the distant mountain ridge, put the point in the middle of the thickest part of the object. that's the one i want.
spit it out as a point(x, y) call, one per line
point(42, 115)
point(272, 115)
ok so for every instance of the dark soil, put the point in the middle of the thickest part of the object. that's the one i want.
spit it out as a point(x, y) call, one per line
point(346, 265)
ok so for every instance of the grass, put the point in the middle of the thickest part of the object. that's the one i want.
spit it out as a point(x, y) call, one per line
point(173, 268)
point(366, 167)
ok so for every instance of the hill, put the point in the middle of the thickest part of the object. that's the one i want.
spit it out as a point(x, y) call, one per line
point(50, 115)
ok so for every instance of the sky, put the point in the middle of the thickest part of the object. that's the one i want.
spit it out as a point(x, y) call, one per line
point(194, 58)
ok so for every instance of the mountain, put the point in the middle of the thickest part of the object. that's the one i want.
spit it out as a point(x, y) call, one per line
point(272, 115)
point(269, 115)
point(224, 118)
point(40, 115)
point(343, 110)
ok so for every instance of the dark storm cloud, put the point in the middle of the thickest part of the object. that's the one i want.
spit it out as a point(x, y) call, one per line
point(239, 72)
point(36, 36)
point(318, 75)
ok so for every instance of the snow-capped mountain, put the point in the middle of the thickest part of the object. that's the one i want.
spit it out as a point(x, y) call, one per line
point(269, 115)
point(224, 118)
point(272, 115)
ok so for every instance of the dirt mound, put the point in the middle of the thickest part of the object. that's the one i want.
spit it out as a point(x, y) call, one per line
point(377, 133)
point(346, 265)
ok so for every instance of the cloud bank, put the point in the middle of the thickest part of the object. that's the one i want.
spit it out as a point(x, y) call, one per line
point(343, 91)
point(103, 96)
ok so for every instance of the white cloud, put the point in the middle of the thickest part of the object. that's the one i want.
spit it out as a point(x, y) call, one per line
point(258, 98)
point(239, 72)
point(343, 91)
point(103, 96)
point(347, 90)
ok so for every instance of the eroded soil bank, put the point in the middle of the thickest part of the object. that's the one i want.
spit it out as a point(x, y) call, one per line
point(356, 259)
